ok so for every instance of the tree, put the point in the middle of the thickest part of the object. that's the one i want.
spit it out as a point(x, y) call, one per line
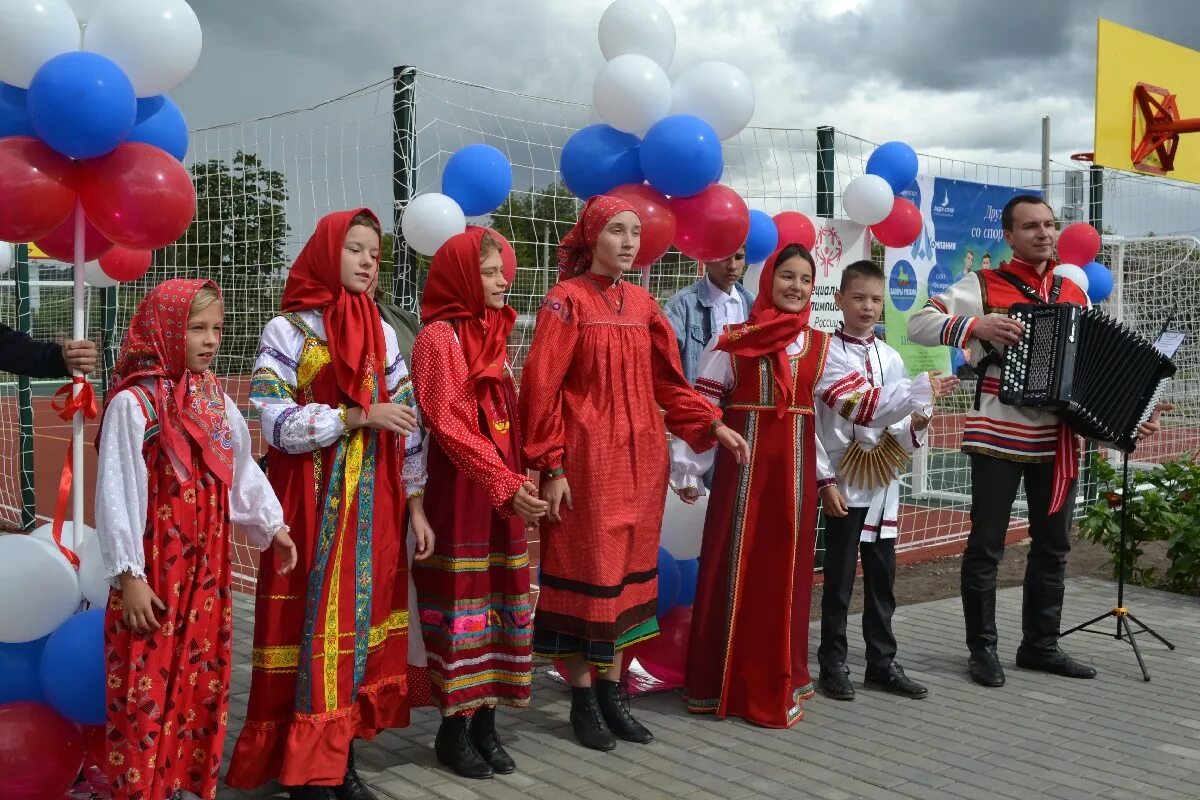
point(241, 221)
point(535, 221)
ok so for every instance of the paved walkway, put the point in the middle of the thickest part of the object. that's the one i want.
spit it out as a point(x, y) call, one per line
point(1039, 737)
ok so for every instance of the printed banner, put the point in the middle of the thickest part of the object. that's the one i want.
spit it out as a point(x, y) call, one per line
point(961, 234)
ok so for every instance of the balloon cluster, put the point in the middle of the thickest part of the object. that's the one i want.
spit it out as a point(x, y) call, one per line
point(51, 661)
point(1079, 244)
point(874, 199)
point(665, 656)
point(659, 145)
point(476, 180)
point(84, 121)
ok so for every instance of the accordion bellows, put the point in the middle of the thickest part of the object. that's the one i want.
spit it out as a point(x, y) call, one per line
point(1098, 375)
point(876, 467)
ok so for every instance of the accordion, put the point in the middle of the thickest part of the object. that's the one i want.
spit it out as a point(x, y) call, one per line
point(1100, 377)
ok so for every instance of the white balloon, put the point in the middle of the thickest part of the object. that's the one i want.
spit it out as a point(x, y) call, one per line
point(45, 533)
point(92, 582)
point(1075, 273)
point(31, 33)
point(156, 42)
point(868, 199)
point(96, 277)
point(631, 93)
point(751, 276)
point(429, 220)
point(642, 27)
point(683, 527)
point(8, 257)
point(83, 9)
point(38, 588)
point(718, 93)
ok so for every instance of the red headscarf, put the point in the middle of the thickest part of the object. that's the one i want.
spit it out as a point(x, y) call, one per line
point(190, 405)
point(353, 327)
point(575, 249)
point(768, 331)
point(454, 291)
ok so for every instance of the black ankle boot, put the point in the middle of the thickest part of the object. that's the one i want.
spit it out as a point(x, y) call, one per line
point(487, 743)
point(616, 713)
point(454, 749)
point(353, 787)
point(587, 721)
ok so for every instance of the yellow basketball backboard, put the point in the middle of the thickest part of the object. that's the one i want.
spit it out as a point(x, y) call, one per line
point(36, 252)
point(1143, 83)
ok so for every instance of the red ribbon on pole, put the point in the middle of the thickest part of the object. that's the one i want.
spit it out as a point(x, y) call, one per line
point(66, 403)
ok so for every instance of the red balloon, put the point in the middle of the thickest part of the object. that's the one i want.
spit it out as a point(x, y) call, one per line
point(60, 243)
point(665, 656)
point(138, 196)
point(901, 227)
point(125, 265)
point(1079, 243)
point(795, 228)
point(711, 225)
point(658, 220)
point(40, 752)
point(37, 189)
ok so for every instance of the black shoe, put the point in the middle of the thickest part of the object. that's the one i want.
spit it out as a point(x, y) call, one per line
point(487, 743)
point(454, 749)
point(587, 721)
point(353, 787)
point(834, 683)
point(615, 709)
point(311, 792)
point(985, 667)
point(895, 681)
point(1054, 661)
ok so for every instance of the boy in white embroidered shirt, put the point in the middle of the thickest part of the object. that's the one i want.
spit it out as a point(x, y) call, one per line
point(858, 472)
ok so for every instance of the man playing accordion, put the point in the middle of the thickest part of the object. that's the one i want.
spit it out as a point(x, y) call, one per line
point(1008, 442)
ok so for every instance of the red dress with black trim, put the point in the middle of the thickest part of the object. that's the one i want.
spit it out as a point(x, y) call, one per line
point(748, 654)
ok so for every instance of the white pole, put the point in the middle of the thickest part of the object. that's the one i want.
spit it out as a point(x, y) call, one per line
point(79, 333)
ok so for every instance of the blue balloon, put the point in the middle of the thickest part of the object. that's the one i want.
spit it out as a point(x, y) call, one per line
point(681, 155)
point(896, 163)
point(19, 672)
point(762, 239)
point(478, 178)
point(599, 158)
point(161, 123)
point(1100, 281)
point(72, 669)
point(81, 104)
point(689, 571)
point(668, 581)
point(14, 112)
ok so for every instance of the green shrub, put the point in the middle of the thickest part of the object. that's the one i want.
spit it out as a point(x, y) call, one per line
point(1164, 506)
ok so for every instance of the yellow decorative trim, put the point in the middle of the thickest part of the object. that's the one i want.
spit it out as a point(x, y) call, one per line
point(275, 658)
point(313, 358)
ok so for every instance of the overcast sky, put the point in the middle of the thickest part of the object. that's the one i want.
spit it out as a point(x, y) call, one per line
point(965, 78)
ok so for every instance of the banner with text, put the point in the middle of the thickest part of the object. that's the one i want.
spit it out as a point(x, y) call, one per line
point(961, 234)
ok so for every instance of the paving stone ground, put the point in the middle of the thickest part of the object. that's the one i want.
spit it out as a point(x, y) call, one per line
point(1040, 736)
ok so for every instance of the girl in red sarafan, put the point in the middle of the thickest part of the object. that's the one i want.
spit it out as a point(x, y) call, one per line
point(602, 367)
point(336, 408)
point(175, 471)
point(473, 591)
point(748, 651)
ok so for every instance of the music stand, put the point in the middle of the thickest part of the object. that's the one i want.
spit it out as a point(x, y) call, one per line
point(1168, 342)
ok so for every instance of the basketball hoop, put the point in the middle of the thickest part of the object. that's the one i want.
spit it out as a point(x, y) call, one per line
point(1156, 115)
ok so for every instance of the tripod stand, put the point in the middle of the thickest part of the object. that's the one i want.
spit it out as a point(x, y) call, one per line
point(1124, 628)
